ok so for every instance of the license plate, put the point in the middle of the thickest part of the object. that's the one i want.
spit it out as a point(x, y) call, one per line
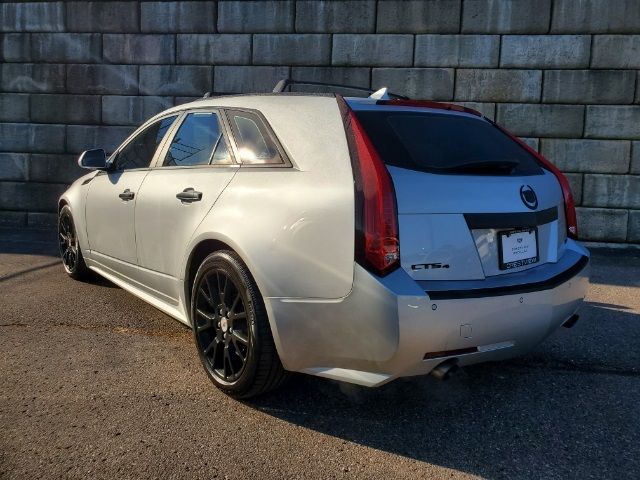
point(518, 248)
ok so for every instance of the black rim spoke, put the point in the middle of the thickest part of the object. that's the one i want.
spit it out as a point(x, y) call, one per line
point(222, 331)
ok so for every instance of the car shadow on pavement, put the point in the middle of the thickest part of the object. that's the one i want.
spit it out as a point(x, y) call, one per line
point(548, 414)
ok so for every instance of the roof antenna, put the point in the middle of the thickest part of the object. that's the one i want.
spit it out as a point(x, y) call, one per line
point(206, 95)
point(281, 85)
point(382, 94)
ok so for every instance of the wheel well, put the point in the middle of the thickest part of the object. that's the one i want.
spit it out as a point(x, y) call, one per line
point(202, 250)
point(61, 204)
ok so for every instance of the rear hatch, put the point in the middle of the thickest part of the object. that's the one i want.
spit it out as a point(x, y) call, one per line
point(472, 203)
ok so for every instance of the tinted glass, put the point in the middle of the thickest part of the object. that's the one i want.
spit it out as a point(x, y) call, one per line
point(138, 153)
point(438, 143)
point(254, 143)
point(198, 141)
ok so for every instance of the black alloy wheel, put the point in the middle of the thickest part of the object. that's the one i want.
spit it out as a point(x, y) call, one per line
point(231, 328)
point(70, 252)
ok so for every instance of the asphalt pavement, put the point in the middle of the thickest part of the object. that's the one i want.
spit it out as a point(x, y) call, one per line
point(95, 383)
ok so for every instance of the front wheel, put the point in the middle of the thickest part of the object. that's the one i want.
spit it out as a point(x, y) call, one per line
point(231, 328)
point(70, 252)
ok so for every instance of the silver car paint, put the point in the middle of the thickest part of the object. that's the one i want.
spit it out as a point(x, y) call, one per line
point(294, 228)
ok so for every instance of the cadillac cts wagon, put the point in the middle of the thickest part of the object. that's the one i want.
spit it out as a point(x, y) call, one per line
point(359, 239)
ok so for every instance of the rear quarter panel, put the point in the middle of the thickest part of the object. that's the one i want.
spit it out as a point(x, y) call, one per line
point(293, 227)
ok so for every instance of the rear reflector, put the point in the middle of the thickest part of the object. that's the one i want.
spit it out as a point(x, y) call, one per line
point(377, 245)
point(450, 353)
point(569, 203)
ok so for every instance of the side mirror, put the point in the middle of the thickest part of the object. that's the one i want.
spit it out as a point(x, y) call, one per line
point(93, 159)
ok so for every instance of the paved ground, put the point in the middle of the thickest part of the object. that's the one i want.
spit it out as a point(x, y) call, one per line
point(95, 383)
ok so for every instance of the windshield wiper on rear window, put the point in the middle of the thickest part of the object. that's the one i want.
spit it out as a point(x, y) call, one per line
point(487, 167)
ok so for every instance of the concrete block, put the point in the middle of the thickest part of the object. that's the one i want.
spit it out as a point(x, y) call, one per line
point(15, 47)
point(506, 16)
point(545, 51)
point(418, 16)
point(28, 77)
point(589, 86)
point(139, 48)
point(102, 79)
point(31, 197)
point(588, 156)
point(14, 107)
point(225, 49)
point(575, 183)
point(608, 121)
point(14, 166)
point(30, 137)
point(185, 17)
point(95, 16)
point(427, 83)
point(595, 16)
point(85, 137)
point(248, 79)
point(118, 110)
point(633, 235)
point(66, 47)
point(616, 51)
point(563, 121)
point(635, 157)
point(255, 16)
point(617, 191)
point(372, 50)
point(46, 108)
point(10, 219)
point(342, 16)
point(32, 17)
point(292, 49)
point(602, 224)
point(457, 50)
point(43, 220)
point(181, 100)
point(498, 85)
point(175, 80)
point(54, 168)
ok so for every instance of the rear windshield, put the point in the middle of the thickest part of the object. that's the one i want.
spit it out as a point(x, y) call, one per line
point(444, 143)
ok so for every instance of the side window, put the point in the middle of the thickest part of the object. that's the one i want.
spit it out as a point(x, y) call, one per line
point(198, 141)
point(255, 145)
point(138, 153)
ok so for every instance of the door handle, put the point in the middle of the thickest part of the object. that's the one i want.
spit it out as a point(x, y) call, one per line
point(189, 195)
point(127, 195)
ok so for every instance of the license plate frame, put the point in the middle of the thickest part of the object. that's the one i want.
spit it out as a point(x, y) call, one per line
point(520, 262)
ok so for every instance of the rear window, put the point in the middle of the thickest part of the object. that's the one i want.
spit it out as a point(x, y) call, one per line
point(438, 143)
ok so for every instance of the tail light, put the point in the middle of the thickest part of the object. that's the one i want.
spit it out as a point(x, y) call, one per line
point(569, 203)
point(377, 245)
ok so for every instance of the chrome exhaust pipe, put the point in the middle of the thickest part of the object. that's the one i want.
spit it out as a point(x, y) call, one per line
point(571, 322)
point(444, 370)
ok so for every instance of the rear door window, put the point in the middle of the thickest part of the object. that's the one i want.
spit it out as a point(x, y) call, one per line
point(445, 143)
point(198, 141)
point(255, 145)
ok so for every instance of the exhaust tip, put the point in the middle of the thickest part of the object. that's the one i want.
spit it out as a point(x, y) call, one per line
point(573, 319)
point(446, 369)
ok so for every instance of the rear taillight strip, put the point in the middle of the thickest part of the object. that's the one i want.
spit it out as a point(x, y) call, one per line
point(377, 244)
point(569, 203)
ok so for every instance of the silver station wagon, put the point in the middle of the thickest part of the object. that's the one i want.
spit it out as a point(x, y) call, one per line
point(358, 239)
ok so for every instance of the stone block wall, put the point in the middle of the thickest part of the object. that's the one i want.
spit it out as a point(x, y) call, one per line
point(563, 74)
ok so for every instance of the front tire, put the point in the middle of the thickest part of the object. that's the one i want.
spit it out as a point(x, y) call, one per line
point(231, 328)
point(70, 251)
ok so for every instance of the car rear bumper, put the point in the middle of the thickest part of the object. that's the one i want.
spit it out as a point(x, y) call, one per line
point(390, 327)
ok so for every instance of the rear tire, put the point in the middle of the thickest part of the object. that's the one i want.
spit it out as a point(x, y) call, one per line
point(70, 252)
point(231, 328)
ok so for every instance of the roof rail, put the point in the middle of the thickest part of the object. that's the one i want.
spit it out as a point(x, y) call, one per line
point(282, 85)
